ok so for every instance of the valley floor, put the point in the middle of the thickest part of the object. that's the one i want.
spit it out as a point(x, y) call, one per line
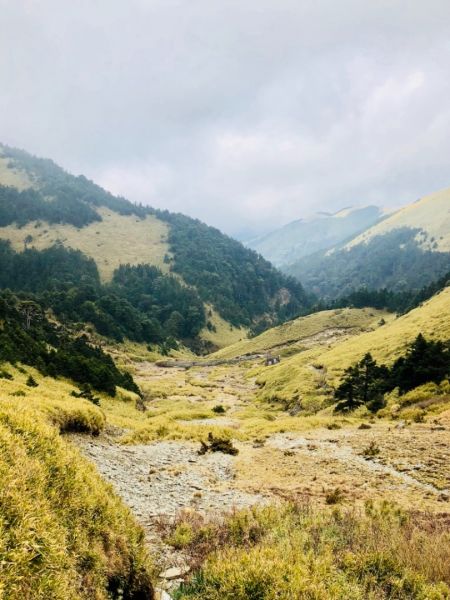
point(324, 461)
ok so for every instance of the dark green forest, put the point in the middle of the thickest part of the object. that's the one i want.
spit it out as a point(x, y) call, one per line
point(141, 303)
point(393, 261)
point(384, 299)
point(240, 283)
point(28, 337)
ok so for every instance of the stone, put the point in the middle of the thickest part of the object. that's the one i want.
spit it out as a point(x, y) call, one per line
point(174, 573)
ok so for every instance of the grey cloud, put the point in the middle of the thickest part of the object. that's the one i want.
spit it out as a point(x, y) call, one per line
point(247, 113)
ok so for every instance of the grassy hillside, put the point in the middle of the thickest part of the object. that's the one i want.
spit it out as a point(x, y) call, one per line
point(63, 533)
point(303, 237)
point(115, 240)
point(431, 214)
point(296, 334)
point(15, 177)
point(307, 377)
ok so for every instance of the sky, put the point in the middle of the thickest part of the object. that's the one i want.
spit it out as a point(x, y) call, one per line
point(246, 114)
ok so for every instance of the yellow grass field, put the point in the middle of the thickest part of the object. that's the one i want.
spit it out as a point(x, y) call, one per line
point(116, 240)
point(13, 177)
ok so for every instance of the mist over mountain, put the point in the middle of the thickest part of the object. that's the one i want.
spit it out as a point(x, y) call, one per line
point(306, 236)
point(405, 250)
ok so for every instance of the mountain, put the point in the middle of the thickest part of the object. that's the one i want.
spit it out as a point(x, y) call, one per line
point(307, 236)
point(405, 251)
point(131, 271)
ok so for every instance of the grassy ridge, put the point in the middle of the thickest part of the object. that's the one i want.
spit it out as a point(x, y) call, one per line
point(64, 534)
point(304, 327)
point(306, 377)
point(115, 240)
point(429, 213)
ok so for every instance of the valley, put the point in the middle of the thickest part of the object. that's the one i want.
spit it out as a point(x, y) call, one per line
point(320, 460)
point(216, 431)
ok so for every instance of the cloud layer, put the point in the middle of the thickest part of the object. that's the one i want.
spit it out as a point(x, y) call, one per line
point(246, 114)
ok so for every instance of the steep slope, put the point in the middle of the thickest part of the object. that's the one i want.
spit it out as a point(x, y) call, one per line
point(304, 237)
point(307, 377)
point(64, 533)
point(430, 214)
point(41, 206)
point(407, 250)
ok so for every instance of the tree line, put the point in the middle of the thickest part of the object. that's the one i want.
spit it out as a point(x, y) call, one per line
point(366, 382)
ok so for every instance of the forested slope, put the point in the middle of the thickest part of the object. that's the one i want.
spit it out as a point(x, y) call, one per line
point(45, 212)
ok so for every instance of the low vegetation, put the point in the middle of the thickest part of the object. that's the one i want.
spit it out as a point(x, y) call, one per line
point(63, 533)
point(294, 551)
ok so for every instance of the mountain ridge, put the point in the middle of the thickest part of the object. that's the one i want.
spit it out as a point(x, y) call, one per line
point(303, 237)
point(406, 250)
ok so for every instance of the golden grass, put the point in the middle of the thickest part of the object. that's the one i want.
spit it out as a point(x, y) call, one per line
point(50, 400)
point(13, 177)
point(64, 534)
point(294, 551)
point(307, 377)
point(295, 333)
point(178, 402)
point(430, 213)
point(225, 333)
point(115, 241)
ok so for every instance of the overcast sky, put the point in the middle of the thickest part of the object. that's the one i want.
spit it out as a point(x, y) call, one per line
point(244, 113)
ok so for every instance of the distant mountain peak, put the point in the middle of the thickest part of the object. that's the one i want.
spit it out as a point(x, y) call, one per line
point(319, 231)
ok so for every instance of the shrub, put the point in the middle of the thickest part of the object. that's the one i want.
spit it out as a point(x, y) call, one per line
point(31, 382)
point(217, 444)
point(371, 450)
point(5, 375)
point(335, 496)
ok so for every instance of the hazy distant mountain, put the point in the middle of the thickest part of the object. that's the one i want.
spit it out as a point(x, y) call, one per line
point(406, 250)
point(320, 232)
